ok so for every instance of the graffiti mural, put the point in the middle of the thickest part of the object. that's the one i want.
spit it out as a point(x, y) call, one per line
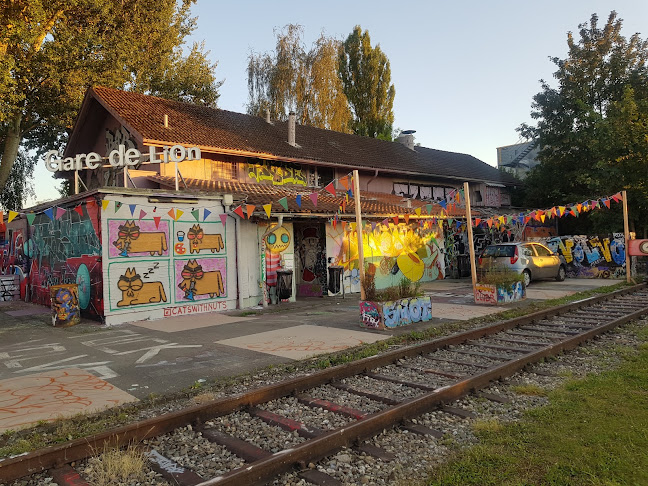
point(391, 254)
point(370, 316)
point(63, 246)
point(598, 256)
point(499, 294)
point(13, 260)
point(276, 243)
point(138, 239)
point(65, 305)
point(310, 246)
point(388, 315)
point(278, 174)
point(198, 237)
point(137, 283)
point(201, 279)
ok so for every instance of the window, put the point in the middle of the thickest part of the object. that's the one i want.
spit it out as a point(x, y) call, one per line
point(222, 170)
point(542, 251)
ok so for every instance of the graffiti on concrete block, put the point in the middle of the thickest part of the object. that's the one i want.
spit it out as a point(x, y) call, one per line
point(407, 311)
point(370, 315)
point(499, 294)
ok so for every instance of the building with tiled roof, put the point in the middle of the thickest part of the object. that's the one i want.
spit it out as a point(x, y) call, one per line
point(181, 209)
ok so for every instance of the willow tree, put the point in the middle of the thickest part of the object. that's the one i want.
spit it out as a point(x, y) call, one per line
point(366, 76)
point(592, 128)
point(52, 51)
point(295, 79)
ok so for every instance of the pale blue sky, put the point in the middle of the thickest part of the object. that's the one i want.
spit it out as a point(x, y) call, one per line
point(465, 72)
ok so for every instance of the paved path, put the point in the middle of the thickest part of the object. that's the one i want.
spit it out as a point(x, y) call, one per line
point(45, 371)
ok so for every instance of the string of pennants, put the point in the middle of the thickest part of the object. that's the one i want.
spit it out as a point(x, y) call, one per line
point(572, 209)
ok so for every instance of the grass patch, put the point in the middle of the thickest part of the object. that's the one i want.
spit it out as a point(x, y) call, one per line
point(593, 432)
point(116, 466)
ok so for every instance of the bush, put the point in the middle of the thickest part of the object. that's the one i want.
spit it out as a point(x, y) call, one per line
point(403, 290)
point(500, 276)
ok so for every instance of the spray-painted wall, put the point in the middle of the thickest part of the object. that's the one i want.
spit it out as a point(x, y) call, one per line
point(59, 245)
point(390, 252)
point(276, 252)
point(167, 259)
point(599, 256)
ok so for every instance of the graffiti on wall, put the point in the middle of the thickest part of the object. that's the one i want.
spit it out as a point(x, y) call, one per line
point(391, 254)
point(13, 260)
point(598, 256)
point(60, 246)
point(407, 311)
point(158, 262)
point(310, 248)
point(370, 316)
point(277, 173)
point(276, 243)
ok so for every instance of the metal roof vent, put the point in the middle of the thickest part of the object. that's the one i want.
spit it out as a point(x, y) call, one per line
point(406, 137)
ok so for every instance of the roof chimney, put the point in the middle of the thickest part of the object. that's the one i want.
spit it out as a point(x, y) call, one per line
point(268, 116)
point(166, 121)
point(406, 137)
point(291, 128)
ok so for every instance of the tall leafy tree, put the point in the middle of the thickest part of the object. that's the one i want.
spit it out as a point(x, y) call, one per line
point(52, 51)
point(366, 77)
point(592, 127)
point(293, 78)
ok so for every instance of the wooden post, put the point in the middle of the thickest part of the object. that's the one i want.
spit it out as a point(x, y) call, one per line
point(76, 182)
point(471, 244)
point(626, 234)
point(356, 195)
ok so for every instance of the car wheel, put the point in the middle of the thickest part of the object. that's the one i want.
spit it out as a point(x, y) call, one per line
point(527, 277)
point(561, 274)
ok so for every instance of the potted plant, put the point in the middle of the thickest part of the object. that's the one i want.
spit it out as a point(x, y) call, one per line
point(499, 285)
point(395, 306)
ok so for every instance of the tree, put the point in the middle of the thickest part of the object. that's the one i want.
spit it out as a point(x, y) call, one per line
point(293, 79)
point(592, 128)
point(366, 77)
point(52, 51)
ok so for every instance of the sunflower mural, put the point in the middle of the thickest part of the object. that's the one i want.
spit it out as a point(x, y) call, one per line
point(391, 253)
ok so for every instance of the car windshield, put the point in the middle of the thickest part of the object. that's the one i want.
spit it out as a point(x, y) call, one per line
point(499, 251)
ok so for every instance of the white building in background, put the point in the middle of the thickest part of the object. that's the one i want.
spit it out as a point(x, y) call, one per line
point(518, 158)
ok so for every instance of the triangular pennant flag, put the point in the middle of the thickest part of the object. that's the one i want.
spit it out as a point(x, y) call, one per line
point(30, 218)
point(157, 221)
point(490, 222)
point(104, 204)
point(239, 211)
point(196, 214)
point(142, 214)
point(117, 205)
point(267, 208)
point(428, 208)
point(395, 218)
point(330, 189)
point(345, 182)
point(178, 214)
point(12, 215)
point(443, 204)
point(79, 210)
point(223, 218)
point(132, 208)
point(344, 205)
point(477, 221)
point(458, 224)
point(334, 222)
point(59, 212)
point(579, 206)
point(313, 198)
point(617, 197)
point(606, 201)
point(418, 211)
point(407, 217)
point(450, 221)
point(350, 193)
point(171, 214)
point(250, 210)
point(298, 200)
point(206, 212)
point(344, 225)
point(284, 202)
point(542, 218)
point(385, 222)
point(561, 210)
point(373, 226)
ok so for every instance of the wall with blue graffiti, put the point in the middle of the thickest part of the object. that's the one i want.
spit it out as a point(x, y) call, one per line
point(598, 256)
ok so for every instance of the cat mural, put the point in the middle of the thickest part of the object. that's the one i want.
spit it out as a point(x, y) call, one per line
point(195, 281)
point(131, 240)
point(200, 241)
point(135, 291)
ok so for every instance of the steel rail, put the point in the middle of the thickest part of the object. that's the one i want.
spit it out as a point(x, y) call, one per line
point(81, 448)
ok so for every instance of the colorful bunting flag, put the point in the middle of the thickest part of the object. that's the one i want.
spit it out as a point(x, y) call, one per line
point(284, 202)
point(267, 208)
point(407, 218)
point(223, 218)
point(79, 210)
point(104, 204)
point(345, 182)
point(313, 198)
point(12, 215)
point(428, 208)
point(117, 205)
point(239, 211)
point(178, 214)
point(606, 201)
point(171, 213)
point(157, 221)
point(330, 189)
point(250, 210)
point(443, 204)
point(196, 214)
point(206, 213)
point(298, 200)
point(395, 218)
point(132, 208)
point(142, 214)
point(418, 211)
point(59, 212)
point(30, 218)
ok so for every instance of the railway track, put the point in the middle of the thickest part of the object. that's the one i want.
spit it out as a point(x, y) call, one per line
point(253, 437)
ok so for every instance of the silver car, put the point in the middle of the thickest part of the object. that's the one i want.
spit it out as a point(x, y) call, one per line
point(533, 260)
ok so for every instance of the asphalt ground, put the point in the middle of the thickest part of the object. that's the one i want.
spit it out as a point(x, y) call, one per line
point(44, 367)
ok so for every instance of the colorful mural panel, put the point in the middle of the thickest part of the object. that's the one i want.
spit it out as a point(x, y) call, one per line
point(310, 246)
point(388, 315)
point(138, 284)
point(277, 173)
point(201, 278)
point(196, 238)
point(391, 254)
point(138, 238)
point(597, 256)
